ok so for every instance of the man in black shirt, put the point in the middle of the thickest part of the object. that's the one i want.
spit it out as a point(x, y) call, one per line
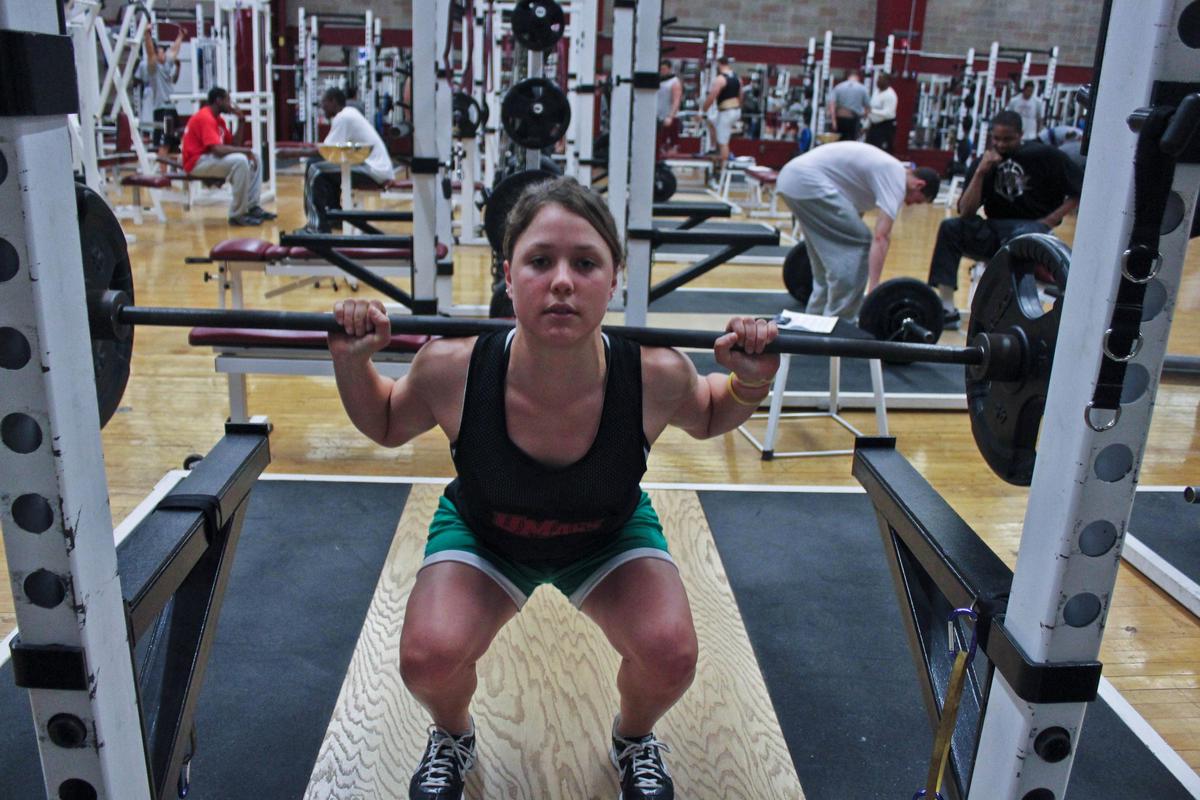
point(1023, 188)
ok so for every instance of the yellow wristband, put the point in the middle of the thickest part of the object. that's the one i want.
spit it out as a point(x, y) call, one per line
point(733, 393)
point(748, 384)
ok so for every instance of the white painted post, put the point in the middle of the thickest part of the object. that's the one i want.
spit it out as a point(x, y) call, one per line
point(1085, 479)
point(57, 526)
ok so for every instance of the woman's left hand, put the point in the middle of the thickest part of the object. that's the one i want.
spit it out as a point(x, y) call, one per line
point(752, 336)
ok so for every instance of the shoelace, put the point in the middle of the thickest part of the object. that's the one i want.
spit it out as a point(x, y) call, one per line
point(646, 764)
point(444, 755)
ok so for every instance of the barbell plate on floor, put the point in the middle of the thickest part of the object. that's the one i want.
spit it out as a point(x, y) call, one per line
point(501, 200)
point(797, 273)
point(902, 310)
point(105, 267)
point(538, 24)
point(1006, 407)
point(535, 113)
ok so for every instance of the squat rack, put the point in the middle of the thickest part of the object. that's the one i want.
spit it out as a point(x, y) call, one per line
point(68, 601)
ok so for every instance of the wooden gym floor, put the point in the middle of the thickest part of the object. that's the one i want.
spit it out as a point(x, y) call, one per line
point(175, 405)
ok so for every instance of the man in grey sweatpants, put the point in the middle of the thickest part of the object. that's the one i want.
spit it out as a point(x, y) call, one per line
point(828, 189)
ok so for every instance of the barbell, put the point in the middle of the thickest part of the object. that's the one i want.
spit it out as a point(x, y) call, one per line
point(1012, 335)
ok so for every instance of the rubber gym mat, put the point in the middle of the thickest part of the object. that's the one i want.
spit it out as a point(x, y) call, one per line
point(717, 301)
point(811, 374)
point(291, 619)
point(1170, 526)
point(818, 604)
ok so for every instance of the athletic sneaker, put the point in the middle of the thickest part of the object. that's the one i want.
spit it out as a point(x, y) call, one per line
point(644, 776)
point(261, 213)
point(444, 766)
point(245, 220)
point(950, 319)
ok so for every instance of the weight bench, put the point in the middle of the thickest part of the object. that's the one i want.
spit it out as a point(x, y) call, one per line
point(762, 179)
point(237, 256)
point(689, 163)
point(695, 213)
point(779, 388)
point(160, 182)
point(296, 150)
point(244, 351)
point(732, 244)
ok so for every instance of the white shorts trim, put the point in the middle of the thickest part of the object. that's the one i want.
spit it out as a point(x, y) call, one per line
point(604, 570)
point(484, 566)
point(518, 597)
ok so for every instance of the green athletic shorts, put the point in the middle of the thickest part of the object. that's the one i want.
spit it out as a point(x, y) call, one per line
point(451, 540)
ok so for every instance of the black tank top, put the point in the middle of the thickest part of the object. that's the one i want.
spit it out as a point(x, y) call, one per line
point(531, 512)
point(730, 90)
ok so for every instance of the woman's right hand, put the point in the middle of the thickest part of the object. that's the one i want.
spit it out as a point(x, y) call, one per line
point(366, 329)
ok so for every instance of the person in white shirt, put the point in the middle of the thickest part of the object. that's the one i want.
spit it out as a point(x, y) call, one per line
point(882, 115)
point(670, 95)
point(1030, 109)
point(828, 189)
point(323, 179)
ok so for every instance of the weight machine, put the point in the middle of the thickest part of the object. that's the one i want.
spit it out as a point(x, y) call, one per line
point(73, 651)
point(360, 74)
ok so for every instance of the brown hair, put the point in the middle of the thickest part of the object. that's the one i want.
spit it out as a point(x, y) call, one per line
point(570, 195)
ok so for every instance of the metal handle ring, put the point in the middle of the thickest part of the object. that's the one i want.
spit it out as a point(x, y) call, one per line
point(1156, 265)
point(1087, 417)
point(1134, 348)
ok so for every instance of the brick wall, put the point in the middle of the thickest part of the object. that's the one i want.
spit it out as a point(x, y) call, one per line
point(394, 13)
point(952, 26)
point(777, 21)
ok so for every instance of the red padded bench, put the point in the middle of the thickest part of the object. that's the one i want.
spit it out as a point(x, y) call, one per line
point(299, 340)
point(763, 175)
point(759, 176)
point(296, 150)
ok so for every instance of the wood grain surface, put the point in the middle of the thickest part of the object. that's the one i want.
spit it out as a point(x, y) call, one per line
point(547, 695)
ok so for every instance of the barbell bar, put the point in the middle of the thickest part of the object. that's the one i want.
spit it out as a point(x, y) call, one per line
point(114, 316)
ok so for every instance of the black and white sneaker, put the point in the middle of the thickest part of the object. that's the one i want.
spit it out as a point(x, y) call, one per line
point(644, 776)
point(444, 766)
point(951, 320)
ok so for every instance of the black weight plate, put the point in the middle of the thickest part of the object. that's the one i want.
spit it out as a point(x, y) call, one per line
point(503, 198)
point(1006, 415)
point(797, 273)
point(538, 24)
point(535, 113)
point(885, 310)
point(105, 261)
point(468, 115)
point(664, 183)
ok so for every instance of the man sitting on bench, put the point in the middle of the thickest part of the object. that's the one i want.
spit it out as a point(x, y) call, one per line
point(208, 152)
point(322, 183)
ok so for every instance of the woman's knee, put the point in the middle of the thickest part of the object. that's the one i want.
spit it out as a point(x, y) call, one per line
point(667, 649)
point(428, 656)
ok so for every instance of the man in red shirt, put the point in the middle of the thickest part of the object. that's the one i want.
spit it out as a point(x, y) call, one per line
point(208, 153)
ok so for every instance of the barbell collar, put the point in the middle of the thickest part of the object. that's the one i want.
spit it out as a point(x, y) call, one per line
point(112, 306)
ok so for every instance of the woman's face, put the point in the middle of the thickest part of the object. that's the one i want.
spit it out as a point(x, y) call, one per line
point(561, 276)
